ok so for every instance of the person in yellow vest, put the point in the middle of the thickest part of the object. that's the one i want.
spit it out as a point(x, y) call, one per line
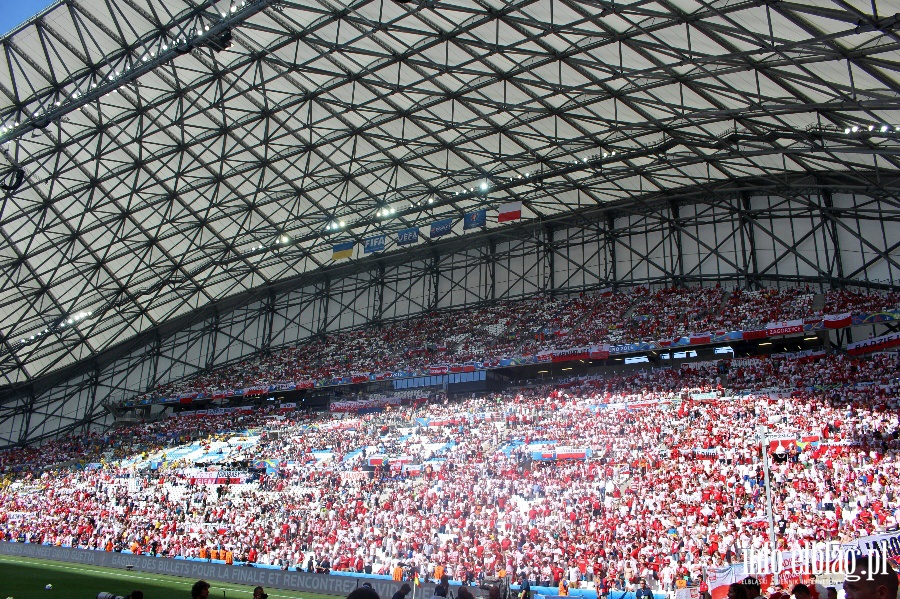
point(214, 554)
point(229, 557)
point(563, 587)
point(438, 572)
point(397, 573)
point(501, 573)
point(109, 545)
point(202, 554)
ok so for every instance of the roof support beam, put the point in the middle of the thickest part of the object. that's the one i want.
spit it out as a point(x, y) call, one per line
point(140, 57)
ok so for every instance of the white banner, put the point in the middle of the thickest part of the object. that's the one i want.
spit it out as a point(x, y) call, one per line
point(784, 328)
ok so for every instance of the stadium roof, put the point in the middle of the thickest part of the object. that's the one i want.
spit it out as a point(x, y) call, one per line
point(162, 154)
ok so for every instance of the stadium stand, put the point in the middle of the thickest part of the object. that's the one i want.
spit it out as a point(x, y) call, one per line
point(650, 475)
point(480, 291)
point(528, 327)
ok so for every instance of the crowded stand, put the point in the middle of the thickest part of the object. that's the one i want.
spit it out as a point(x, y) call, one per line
point(674, 312)
point(753, 309)
point(838, 301)
point(654, 474)
point(508, 329)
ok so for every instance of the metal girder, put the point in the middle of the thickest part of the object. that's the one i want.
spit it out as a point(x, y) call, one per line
point(197, 27)
point(827, 208)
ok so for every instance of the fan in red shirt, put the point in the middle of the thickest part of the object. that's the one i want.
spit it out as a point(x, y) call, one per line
point(776, 592)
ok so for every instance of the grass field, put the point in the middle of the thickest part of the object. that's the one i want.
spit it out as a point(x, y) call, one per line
point(25, 578)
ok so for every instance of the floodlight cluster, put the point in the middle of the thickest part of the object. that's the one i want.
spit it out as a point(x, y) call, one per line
point(63, 323)
point(871, 129)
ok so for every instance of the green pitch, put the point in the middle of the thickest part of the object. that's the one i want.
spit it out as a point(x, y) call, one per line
point(25, 578)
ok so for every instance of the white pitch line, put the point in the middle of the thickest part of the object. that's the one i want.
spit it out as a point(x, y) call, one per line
point(218, 585)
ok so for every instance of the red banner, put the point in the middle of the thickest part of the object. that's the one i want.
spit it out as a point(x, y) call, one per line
point(218, 480)
point(570, 355)
point(753, 335)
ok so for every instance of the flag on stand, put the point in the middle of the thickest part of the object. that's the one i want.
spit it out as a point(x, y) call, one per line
point(375, 244)
point(339, 251)
point(838, 321)
point(408, 236)
point(510, 212)
point(475, 219)
point(442, 227)
point(416, 579)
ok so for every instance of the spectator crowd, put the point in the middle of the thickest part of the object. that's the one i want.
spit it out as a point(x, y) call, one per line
point(650, 475)
point(508, 329)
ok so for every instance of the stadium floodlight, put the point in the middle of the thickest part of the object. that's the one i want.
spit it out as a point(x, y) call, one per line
point(854, 128)
point(884, 128)
point(484, 186)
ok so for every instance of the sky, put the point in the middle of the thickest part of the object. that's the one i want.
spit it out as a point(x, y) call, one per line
point(16, 12)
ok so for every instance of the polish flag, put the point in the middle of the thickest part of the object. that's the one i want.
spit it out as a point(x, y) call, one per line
point(510, 212)
point(838, 321)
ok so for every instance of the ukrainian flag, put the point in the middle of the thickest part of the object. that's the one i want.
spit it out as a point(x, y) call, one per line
point(340, 251)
